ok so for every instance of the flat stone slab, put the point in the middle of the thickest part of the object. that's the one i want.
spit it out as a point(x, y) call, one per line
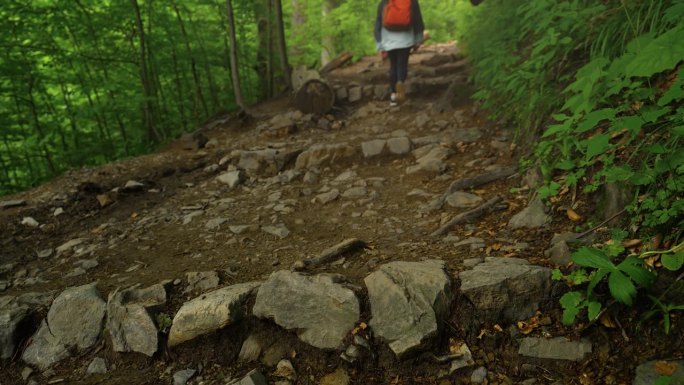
point(408, 301)
point(558, 348)
point(210, 312)
point(12, 203)
point(506, 289)
point(322, 311)
point(646, 374)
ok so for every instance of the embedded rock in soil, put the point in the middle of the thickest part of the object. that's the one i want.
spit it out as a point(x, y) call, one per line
point(74, 320)
point(12, 317)
point(130, 326)
point(201, 281)
point(210, 312)
point(508, 289)
point(252, 378)
point(251, 349)
point(373, 148)
point(97, 366)
point(559, 253)
point(321, 311)
point(324, 154)
point(408, 301)
point(181, 377)
point(231, 178)
point(460, 199)
point(531, 217)
point(430, 159)
point(558, 348)
point(269, 161)
point(338, 377)
point(648, 374)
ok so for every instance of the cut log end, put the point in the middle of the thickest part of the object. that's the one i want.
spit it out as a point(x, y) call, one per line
point(315, 97)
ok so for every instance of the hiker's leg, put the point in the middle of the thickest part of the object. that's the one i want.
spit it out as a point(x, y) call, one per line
point(393, 74)
point(402, 63)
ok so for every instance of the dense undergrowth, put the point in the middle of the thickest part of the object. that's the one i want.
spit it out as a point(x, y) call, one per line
point(598, 87)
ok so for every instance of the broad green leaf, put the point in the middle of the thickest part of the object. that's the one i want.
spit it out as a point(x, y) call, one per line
point(566, 164)
point(591, 257)
point(635, 269)
point(593, 118)
point(618, 173)
point(594, 309)
point(597, 144)
point(658, 55)
point(656, 148)
point(632, 123)
point(621, 287)
point(570, 302)
point(663, 380)
point(673, 262)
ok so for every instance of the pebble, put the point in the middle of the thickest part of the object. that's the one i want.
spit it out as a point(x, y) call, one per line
point(479, 375)
point(30, 222)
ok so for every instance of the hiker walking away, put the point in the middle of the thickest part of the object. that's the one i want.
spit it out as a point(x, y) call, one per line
point(398, 29)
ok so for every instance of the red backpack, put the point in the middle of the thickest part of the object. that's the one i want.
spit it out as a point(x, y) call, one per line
point(397, 15)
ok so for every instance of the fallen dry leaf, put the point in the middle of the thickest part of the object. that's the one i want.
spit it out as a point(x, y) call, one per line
point(665, 368)
point(607, 321)
point(573, 216)
point(498, 328)
point(631, 243)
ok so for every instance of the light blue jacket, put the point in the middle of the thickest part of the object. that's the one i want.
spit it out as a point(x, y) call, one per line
point(386, 40)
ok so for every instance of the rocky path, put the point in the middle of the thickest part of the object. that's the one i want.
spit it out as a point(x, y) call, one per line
point(374, 245)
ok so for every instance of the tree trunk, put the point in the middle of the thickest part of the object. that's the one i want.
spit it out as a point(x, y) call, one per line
point(282, 45)
point(328, 43)
point(199, 97)
point(234, 73)
point(315, 97)
point(148, 106)
point(298, 30)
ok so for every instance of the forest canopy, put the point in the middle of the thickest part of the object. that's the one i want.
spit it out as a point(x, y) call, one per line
point(87, 82)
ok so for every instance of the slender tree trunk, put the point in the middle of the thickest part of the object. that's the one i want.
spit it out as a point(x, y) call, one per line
point(148, 106)
point(282, 45)
point(199, 97)
point(38, 126)
point(179, 89)
point(234, 73)
point(298, 32)
point(328, 43)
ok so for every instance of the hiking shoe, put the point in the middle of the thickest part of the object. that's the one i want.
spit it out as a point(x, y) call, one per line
point(401, 92)
point(393, 100)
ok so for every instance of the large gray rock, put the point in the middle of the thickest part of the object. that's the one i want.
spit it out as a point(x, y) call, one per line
point(373, 148)
point(74, 320)
point(130, 326)
point(210, 312)
point(506, 289)
point(45, 349)
point(12, 317)
point(559, 253)
point(321, 311)
point(646, 374)
point(558, 348)
point(531, 217)
point(408, 302)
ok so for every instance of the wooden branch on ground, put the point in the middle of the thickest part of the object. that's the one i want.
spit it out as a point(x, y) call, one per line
point(337, 62)
point(468, 216)
point(472, 182)
point(331, 254)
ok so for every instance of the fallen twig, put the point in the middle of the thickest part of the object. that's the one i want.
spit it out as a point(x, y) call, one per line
point(468, 215)
point(584, 234)
point(331, 254)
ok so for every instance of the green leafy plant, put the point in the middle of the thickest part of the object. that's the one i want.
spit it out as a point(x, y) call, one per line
point(164, 322)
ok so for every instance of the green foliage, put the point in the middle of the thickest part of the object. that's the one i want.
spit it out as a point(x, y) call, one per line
point(602, 83)
point(164, 322)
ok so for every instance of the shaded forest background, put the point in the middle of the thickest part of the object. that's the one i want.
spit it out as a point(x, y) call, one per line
point(86, 82)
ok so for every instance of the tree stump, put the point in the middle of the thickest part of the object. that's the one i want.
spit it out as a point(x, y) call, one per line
point(315, 96)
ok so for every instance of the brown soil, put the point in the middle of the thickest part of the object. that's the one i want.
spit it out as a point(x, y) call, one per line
point(145, 229)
